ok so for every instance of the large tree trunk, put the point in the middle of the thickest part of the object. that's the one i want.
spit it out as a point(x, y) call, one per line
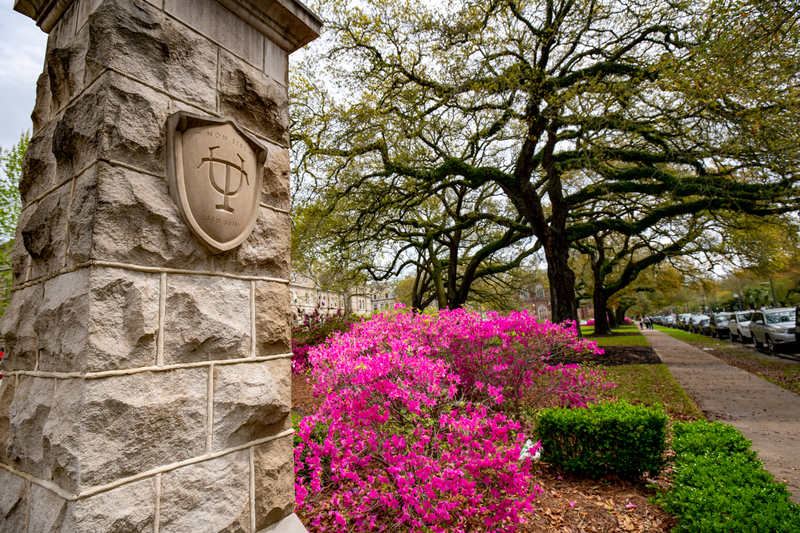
point(562, 281)
point(600, 311)
point(612, 319)
point(620, 314)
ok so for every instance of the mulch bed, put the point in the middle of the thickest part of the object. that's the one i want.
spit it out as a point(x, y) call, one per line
point(303, 401)
point(571, 504)
point(619, 355)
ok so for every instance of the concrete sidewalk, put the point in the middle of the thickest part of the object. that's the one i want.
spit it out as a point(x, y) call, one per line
point(765, 413)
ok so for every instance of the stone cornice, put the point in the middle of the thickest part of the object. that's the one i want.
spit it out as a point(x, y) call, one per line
point(288, 23)
point(45, 12)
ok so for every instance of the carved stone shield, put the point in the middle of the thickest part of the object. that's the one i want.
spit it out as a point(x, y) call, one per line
point(215, 171)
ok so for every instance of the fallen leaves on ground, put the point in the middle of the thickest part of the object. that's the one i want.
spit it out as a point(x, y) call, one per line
point(571, 504)
point(786, 374)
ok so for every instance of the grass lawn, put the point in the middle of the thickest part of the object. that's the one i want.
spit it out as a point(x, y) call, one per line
point(692, 338)
point(589, 330)
point(628, 340)
point(625, 339)
point(785, 374)
point(649, 385)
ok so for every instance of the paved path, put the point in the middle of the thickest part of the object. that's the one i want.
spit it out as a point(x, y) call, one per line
point(765, 413)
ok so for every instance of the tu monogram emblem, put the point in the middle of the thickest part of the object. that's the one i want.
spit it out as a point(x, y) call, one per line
point(227, 190)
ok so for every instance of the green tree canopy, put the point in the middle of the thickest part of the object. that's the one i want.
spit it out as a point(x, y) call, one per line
point(575, 109)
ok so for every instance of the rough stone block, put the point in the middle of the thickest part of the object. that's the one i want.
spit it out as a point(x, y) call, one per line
point(251, 401)
point(212, 496)
point(253, 99)
point(266, 252)
point(275, 185)
point(28, 414)
point(39, 164)
point(41, 114)
point(45, 231)
point(44, 431)
point(274, 477)
point(8, 387)
point(98, 319)
point(136, 222)
point(127, 509)
point(48, 511)
point(21, 341)
point(13, 502)
point(131, 424)
point(20, 258)
point(61, 435)
point(273, 319)
point(61, 325)
point(66, 63)
point(207, 318)
point(114, 119)
point(221, 26)
point(123, 326)
point(81, 218)
point(84, 433)
point(141, 41)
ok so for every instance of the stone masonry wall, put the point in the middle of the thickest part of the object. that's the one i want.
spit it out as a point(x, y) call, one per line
point(147, 381)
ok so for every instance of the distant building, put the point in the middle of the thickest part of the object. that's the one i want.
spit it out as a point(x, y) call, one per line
point(536, 299)
point(308, 297)
point(383, 297)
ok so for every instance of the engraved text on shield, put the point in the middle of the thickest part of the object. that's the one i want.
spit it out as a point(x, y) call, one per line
point(219, 166)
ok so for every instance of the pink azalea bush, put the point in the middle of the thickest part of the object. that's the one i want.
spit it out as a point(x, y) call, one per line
point(418, 430)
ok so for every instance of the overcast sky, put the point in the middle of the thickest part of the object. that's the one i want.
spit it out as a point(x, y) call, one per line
point(22, 46)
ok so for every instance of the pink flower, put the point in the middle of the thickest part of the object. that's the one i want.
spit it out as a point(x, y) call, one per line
point(416, 423)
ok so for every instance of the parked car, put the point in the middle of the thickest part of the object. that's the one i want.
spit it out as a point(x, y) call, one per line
point(720, 324)
point(683, 321)
point(694, 323)
point(739, 326)
point(773, 327)
point(705, 326)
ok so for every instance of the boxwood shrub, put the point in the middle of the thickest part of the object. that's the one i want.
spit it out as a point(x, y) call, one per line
point(700, 437)
point(721, 486)
point(605, 438)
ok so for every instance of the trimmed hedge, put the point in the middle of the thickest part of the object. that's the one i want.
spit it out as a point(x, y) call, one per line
point(605, 438)
point(697, 438)
point(721, 486)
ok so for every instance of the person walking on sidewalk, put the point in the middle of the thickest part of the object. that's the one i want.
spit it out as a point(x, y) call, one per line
point(640, 320)
point(648, 323)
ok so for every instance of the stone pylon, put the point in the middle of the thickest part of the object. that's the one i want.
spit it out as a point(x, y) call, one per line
point(147, 372)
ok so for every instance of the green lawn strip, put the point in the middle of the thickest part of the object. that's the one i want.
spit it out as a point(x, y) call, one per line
point(617, 340)
point(631, 340)
point(589, 330)
point(650, 385)
point(784, 374)
point(691, 338)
